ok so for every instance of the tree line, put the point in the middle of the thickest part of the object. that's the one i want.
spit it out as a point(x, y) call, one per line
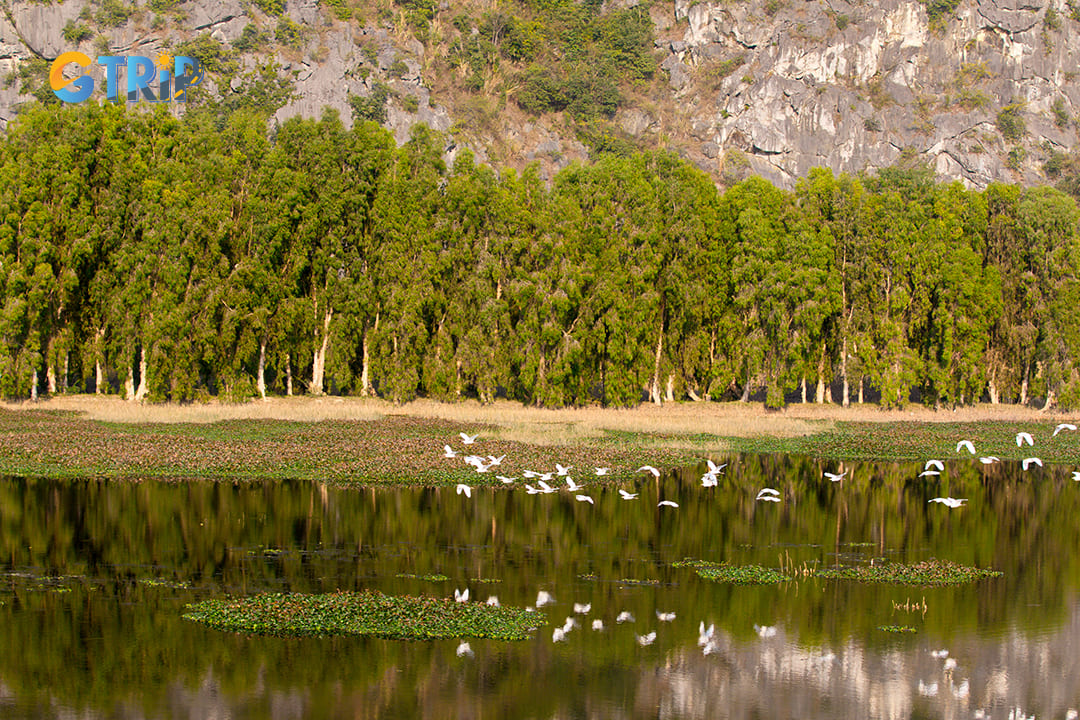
point(179, 259)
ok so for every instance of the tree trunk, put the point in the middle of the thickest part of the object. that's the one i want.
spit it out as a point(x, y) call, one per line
point(33, 387)
point(1024, 384)
point(64, 377)
point(843, 374)
point(860, 391)
point(693, 395)
point(99, 377)
point(141, 392)
point(802, 384)
point(670, 393)
point(50, 379)
point(1049, 400)
point(992, 388)
point(129, 383)
point(318, 365)
point(365, 374)
point(288, 375)
point(260, 382)
point(654, 386)
point(746, 390)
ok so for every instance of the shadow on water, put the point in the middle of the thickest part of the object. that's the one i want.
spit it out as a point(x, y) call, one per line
point(96, 574)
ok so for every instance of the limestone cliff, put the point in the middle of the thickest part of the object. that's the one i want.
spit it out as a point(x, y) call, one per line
point(983, 92)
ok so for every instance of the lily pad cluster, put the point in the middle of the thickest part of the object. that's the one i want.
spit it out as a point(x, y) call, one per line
point(734, 574)
point(928, 572)
point(364, 613)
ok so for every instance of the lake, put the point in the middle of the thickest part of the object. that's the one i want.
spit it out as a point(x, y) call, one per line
point(95, 576)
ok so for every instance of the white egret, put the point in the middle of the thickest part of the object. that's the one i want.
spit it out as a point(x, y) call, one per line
point(463, 649)
point(644, 640)
point(544, 487)
point(558, 635)
point(449, 452)
point(569, 625)
point(965, 444)
point(667, 503)
point(936, 464)
point(1028, 462)
point(597, 624)
point(633, 496)
point(602, 471)
point(544, 598)
point(531, 490)
point(530, 473)
point(506, 480)
point(467, 490)
point(474, 460)
point(768, 491)
point(496, 460)
point(493, 601)
point(468, 439)
point(582, 608)
point(665, 617)
point(461, 596)
point(769, 498)
point(989, 459)
point(949, 501)
point(708, 480)
point(1023, 437)
point(584, 498)
point(1063, 426)
point(1076, 475)
point(710, 648)
point(560, 470)
point(649, 469)
point(927, 473)
point(624, 616)
point(714, 468)
point(705, 636)
point(835, 477)
point(571, 485)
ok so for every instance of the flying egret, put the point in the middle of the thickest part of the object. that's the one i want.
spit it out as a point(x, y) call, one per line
point(582, 608)
point(543, 598)
point(544, 487)
point(569, 625)
point(461, 596)
point(649, 469)
point(1076, 475)
point(769, 498)
point(927, 473)
point(768, 491)
point(474, 460)
point(1023, 437)
point(530, 473)
point(1063, 426)
point(989, 459)
point(531, 490)
point(936, 464)
point(1028, 462)
point(597, 624)
point(493, 601)
point(571, 485)
point(710, 648)
point(714, 468)
point(835, 477)
point(667, 503)
point(633, 496)
point(558, 635)
point(468, 440)
point(449, 452)
point(965, 444)
point(506, 480)
point(644, 640)
point(496, 460)
point(467, 490)
point(624, 616)
point(708, 480)
point(665, 617)
point(602, 471)
point(463, 649)
point(560, 470)
point(705, 636)
point(949, 501)
point(584, 498)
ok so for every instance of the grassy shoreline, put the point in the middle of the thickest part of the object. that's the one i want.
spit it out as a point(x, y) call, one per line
point(370, 442)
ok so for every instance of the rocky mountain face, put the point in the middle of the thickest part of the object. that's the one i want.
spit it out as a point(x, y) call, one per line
point(983, 91)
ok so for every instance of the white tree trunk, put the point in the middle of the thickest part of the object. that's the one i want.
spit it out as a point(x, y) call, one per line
point(669, 395)
point(860, 391)
point(64, 377)
point(99, 377)
point(318, 369)
point(1024, 385)
point(140, 394)
point(992, 389)
point(288, 375)
point(33, 387)
point(129, 384)
point(1049, 401)
point(843, 373)
point(260, 382)
point(50, 379)
point(654, 386)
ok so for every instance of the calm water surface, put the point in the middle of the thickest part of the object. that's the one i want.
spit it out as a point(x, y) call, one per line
point(94, 577)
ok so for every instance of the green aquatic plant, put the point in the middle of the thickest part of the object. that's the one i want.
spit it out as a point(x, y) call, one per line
point(436, 577)
point(896, 628)
point(928, 572)
point(734, 574)
point(363, 613)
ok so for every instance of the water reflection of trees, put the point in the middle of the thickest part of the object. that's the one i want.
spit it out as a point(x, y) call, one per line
point(99, 637)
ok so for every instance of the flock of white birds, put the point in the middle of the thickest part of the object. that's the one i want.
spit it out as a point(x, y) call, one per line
point(541, 484)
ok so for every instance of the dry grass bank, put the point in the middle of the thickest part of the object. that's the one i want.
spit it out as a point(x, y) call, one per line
point(539, 426)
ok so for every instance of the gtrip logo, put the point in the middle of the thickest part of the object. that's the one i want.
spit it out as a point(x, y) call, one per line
point(173, 75)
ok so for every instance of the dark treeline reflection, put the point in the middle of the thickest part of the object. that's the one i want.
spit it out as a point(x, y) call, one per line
point(182, 259)
point(96, 573)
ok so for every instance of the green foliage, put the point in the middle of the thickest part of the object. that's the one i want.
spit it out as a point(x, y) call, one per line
point(928, 573)
point(340, 8)
point(112, 13)
point(251, 38)
point(270, 7)
point(1010, 123)
point(939, 11)
point(212, 55)
point(289, 32)
point(373, 106)
point(398, 68)
point(1061, 113)
point(1016, 157)
point(842, 21)
point(410, 103)
point(871, 124)
point(76, 32)
point(734, 574)
point(1051, 19)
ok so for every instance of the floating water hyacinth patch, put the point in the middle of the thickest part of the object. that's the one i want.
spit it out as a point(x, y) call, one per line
point(364, 613)
point(437, 577)
point(633, 581)
point(929, 572)
point(896, 628)
point(734, 574)
point(158, 582)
